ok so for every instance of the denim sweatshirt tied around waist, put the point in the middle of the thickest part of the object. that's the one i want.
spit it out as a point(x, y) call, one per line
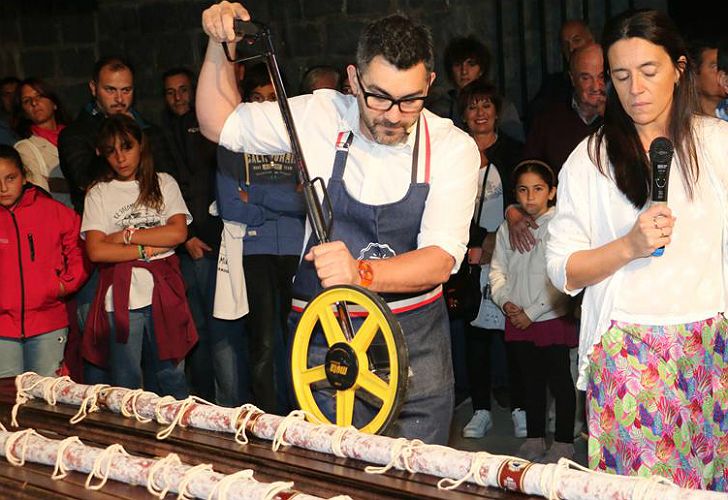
point(275, 213)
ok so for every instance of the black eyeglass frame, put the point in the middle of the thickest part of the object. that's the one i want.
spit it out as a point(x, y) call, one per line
point(392, 102)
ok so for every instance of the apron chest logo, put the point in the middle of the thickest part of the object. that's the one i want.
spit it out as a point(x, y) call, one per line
point(376, 251)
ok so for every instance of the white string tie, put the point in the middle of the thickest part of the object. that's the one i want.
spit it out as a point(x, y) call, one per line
point(88, 405)
point(222, 488)
point(22, 395)
point(476, 464)
point(102, 464)
point(130, 398)
point(279, 437)
point(185, 405)
point(50, 384)
point(645, 484)
point(337, 437)
point(551, 475)
point(188, 477)
point(161, 465)
point(275, 488)
point(394, 454)
point(161, 403)
point(12, 440)
point(240, 428)
point(60, 470)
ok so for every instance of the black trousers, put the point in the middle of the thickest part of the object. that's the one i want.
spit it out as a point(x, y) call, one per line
point(541, 367)
point(268, 279)
point(478, 360)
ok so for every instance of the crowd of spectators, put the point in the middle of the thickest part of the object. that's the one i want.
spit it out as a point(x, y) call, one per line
point(195, 207)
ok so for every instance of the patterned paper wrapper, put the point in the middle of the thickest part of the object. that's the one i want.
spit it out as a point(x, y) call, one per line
point(440, 461)
point(135, 470)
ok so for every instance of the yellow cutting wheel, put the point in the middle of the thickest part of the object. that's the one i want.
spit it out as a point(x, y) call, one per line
point(366, 375)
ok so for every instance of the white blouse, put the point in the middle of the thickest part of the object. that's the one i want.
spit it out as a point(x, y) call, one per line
point(591, 212)
point(375, 174)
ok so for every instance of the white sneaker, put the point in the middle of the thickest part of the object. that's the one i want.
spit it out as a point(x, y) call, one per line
point(519, 423)
point(479, 425)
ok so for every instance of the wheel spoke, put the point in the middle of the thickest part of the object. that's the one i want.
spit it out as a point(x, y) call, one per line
point(313, 375)
point(331, 327)
point(365, 334)
point(373, 384)
point(345, 407)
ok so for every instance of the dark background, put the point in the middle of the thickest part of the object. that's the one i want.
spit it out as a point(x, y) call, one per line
point(59, 40)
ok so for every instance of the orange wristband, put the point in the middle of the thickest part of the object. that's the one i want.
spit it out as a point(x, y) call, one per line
point(366, 274)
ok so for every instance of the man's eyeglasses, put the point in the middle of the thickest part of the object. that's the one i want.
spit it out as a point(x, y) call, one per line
point(380, 102)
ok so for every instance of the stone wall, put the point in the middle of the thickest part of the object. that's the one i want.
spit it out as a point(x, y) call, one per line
point(59, 40)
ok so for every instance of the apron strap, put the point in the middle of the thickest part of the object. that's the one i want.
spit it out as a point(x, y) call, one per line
point(343, 141)
point(416, 154)
point(428, 150)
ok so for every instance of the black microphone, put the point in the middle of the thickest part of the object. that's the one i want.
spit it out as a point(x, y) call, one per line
point(661, 152)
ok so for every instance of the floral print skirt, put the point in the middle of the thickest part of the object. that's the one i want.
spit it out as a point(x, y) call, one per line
point(658, 402)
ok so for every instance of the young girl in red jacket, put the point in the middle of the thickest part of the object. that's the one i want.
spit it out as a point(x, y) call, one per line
point(41, 262)
point(139, 325)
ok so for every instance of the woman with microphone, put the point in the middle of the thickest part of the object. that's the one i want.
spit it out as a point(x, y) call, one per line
point(652, 351)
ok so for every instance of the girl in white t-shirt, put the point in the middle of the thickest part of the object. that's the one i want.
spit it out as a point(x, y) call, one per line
point(139, 322)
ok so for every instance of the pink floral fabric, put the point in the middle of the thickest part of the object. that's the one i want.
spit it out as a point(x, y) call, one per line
point(658, 402)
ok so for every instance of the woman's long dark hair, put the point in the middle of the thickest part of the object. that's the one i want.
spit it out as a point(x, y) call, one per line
point(624, 149)
point(124, 128)
point(23, 123)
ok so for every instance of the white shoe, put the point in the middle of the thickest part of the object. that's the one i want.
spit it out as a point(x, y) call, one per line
point(519, 423)
point(479, 425)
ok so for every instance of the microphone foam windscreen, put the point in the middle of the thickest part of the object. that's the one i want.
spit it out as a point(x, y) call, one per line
point(661, 151)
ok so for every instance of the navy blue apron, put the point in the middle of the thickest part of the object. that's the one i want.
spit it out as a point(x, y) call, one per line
point(382, 231)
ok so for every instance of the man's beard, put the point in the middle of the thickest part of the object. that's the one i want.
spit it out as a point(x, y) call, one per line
point(387, 136)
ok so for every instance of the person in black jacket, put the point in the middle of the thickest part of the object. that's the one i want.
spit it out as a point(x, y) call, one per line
point(480, 106)
point(112, 88)
point(213, 365)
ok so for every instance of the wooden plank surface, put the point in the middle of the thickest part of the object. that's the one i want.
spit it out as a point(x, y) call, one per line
point(33, 481)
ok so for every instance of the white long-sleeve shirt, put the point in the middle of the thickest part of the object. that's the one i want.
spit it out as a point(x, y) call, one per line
point(375, 174)
point(521, 278)
point(591, 212)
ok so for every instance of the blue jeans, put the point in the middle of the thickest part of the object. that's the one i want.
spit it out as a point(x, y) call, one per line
point(138, 359)
point(42, 354)
point(216, 366)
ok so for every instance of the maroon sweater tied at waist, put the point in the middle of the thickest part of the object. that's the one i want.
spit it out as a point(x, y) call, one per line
point(174, 328)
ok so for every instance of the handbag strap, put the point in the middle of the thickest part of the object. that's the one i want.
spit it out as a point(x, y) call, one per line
point(482, 193)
